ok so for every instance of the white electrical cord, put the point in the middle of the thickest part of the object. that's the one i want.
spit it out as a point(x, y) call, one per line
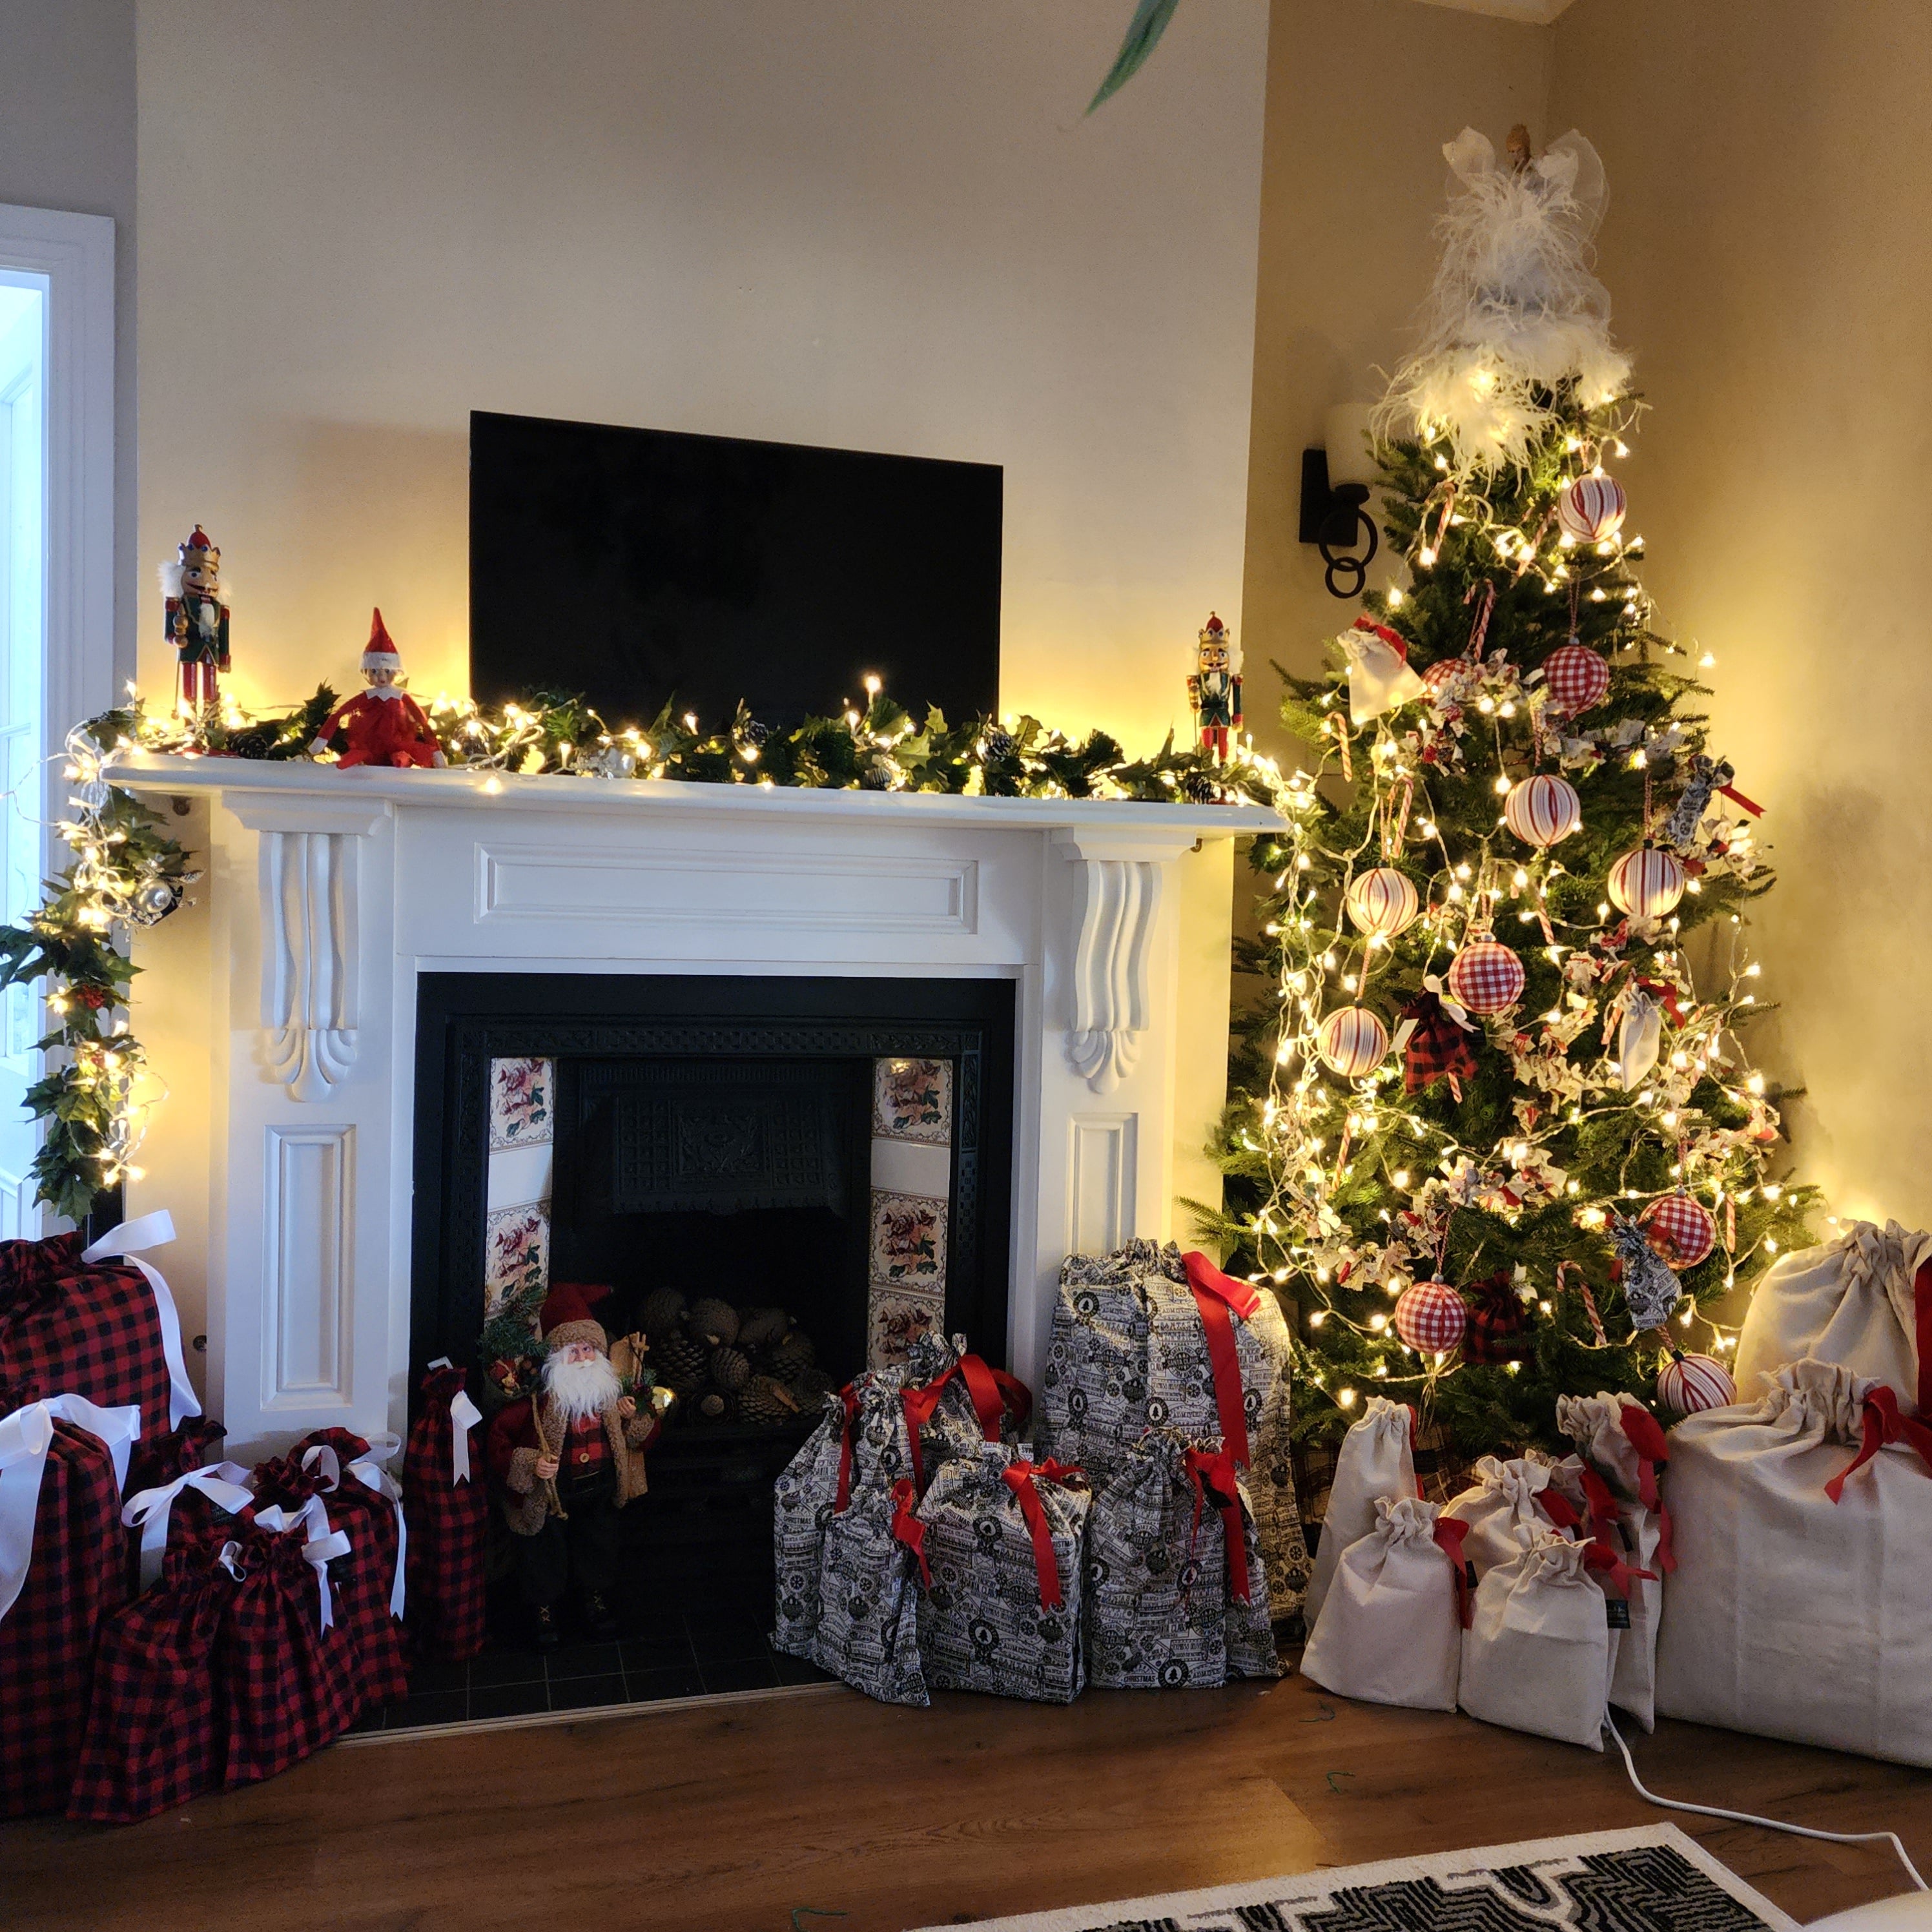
point(1770, 1824)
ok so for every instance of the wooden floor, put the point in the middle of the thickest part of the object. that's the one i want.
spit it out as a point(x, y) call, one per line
point(724, 1819)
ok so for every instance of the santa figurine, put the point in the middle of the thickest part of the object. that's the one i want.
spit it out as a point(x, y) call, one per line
point(1214, 690)
point(568, 1457)
point(383, 725)
point(197, 620)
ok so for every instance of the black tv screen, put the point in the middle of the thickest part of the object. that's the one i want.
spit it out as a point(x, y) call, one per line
point(633, 565)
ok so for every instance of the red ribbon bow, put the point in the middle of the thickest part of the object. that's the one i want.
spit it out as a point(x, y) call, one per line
point(1600, 1557)
point(849, 1396)
point(1738, 798)
point(1921, 1304)
point(907, 1528)
point(993, 1392)
point(1883, 1422)
point(1641, 1431)
point(1396, 641)
point(1022, 1478)
point(1215, 1293)
point(1448, 1532)
point(1558, 1507)
point(1667, 997)
point(1213, 1473)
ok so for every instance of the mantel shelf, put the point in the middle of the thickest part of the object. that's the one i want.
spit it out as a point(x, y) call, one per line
point(654, 800)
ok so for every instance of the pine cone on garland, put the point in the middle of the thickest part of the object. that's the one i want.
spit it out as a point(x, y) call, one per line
point(680, 1362)
point(658, 1313)
point(758, 1327)
point(716, 1320)
point(766, 1400)
point(730, 1370)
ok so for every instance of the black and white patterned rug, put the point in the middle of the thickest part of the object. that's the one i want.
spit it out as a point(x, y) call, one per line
point(1650, 1879)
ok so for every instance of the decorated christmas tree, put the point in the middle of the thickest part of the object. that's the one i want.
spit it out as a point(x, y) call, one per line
point(1497, 1137)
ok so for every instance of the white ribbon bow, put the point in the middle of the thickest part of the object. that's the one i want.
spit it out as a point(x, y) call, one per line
point(464, 1416)
point(26, 1437)
point(125, 1243)
point(225, 1484)
point(323, 1543)
point(368, 1471)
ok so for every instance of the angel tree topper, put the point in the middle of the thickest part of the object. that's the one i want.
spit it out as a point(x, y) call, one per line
point(383, 725)
point(197, 619)
point(1214, 690)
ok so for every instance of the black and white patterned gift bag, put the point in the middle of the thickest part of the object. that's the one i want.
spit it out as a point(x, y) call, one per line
point(987, 1620)
point(803, 1499)
point(1128, 1352)
point(1165, 1609)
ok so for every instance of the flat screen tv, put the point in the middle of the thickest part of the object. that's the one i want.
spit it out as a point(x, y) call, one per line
point(633, 565)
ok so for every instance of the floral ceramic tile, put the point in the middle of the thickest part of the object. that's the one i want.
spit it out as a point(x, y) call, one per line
point(516, 1248)
point(896, 1318)
point(908, 1243)
point(912, 1100)
point(522, 1094)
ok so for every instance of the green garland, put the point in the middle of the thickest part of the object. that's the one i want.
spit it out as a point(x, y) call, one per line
point(128, 872)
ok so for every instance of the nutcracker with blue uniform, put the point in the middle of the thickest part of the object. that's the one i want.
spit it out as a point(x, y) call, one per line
point(1214, 690)
point(197, 620)
point(567, 1458)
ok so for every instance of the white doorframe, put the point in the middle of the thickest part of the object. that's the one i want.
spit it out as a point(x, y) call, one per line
point(75, 253)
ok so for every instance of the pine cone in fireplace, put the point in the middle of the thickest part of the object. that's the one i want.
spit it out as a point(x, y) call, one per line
point(759, 1327)
point(658, 1315)
point(766, 1400)
point(712, 1406)
point(680, 1362)
point(730, 1370)
point(790, 1354)
point(716, 1320)
point(812, 1386)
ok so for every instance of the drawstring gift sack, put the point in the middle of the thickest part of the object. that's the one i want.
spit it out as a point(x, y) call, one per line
point(1503, 1509)
point(1391, 1631)
point(1376, 1462)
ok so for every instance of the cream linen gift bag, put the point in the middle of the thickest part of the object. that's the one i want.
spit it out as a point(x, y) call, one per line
point(1390, 1629)
point(1789, 1614)
point(1505, 1511)
point(1864, 1300)
point(1537, 1655)
point(1376, 1460)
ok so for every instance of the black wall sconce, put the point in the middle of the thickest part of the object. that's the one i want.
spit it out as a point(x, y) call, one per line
point(1334, 512)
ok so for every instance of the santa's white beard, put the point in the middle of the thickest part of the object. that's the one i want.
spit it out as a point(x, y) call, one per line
point(581, 1388)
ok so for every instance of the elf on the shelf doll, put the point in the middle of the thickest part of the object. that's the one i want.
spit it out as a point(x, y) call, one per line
point(383, 725)
point(197, 620)
point(568, 1456)
point(1215, 688)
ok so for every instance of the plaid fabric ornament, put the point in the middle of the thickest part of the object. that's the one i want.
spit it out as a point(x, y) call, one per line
point(1435, 1048)
point(1486, 977)
point(1576, 678)
point(75, 1577)
point(1498, 1329)
point(447, 1502)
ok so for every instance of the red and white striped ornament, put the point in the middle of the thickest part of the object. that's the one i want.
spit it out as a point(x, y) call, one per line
point(1431, 1317)
point(1353, 1041)
point(1486, 977)
point(1542, 809)
point(1681, 1230)
point(1592, 508)
point(1382, 902)
point(1577, 679)
point(1646, 883)
point(1689, 1385)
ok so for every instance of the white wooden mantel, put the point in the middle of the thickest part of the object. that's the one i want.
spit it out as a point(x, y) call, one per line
point(280, 1008)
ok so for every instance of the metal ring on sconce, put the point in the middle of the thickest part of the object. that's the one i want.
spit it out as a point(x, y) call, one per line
point(1333, 518)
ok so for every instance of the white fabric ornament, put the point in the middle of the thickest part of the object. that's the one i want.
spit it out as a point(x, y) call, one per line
point(1390, 1629)
point(1639, 1038)
point(1379, 678)
point(1376, 1461)
point(1514, 309)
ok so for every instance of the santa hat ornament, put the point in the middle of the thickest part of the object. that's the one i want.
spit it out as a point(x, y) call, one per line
point(1379, 678)
point(380, 652)
point(566, 1316)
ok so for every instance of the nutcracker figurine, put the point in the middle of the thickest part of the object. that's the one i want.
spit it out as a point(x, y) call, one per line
point(383, 725)
point(1215, 688)
point(197, 620)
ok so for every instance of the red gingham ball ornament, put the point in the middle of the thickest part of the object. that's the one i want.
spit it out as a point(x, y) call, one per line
point(1689, 1385)
point(1442, 671)
point(1382, 902)
point(1353, 1041)
point(1680, 1229)
point(1591, 509)
point(1577, 679)
point(1486, 977)
point(1542, 810)
point(1431, 1317)
point(1646, 883)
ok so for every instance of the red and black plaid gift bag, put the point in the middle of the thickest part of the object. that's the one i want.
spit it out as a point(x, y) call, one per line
point(448, 1501)
point(192, 1443)
point(97, 1328)
point(153, 1737)
point(76, 1577)
point(365, 1503)
point(284, 1685)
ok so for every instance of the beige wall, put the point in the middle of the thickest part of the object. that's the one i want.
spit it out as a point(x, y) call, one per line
point(1767, 249)
point(866, 222)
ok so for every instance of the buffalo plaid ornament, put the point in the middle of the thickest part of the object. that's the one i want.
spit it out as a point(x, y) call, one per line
point(1498, 1323)
point(153, 1739)
point(1435, 1049)
point(447, 1502)
point(75, 1578)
